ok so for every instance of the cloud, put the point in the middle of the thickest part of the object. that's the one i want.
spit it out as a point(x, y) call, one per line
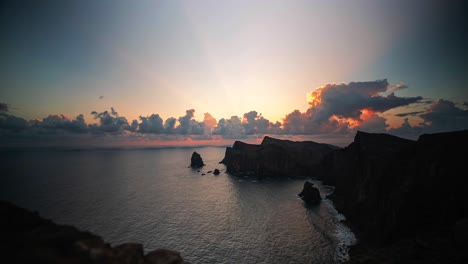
point(12, 123)
point(101, 97)
point(169, 125)
point(188, 125)
point(151, 124)
point(334, 109)
point(374, 124)
point(255, 123)
point(3, 108)
point(109, 122)
point(295, 123)
point(407, 131)
point(339, 108)
point(209, 123)
point(54, 123)
point(230, 128)
point(443, 115)
point(414, 113)
point(394, 87)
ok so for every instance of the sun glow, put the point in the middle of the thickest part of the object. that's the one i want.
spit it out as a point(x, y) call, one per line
point(315, 98)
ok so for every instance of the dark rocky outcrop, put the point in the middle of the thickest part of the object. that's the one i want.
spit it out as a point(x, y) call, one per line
point(196, 161)
point(276, 157)
point(310, 194)
point(403, 198)
point(25, 237)
point(216, 172)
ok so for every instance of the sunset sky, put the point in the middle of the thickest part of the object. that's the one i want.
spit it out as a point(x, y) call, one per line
point(344, 65)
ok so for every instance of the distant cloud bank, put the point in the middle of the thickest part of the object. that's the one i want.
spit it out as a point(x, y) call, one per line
point(334, 110)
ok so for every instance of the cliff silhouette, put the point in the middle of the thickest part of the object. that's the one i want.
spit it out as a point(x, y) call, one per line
point(406, 200)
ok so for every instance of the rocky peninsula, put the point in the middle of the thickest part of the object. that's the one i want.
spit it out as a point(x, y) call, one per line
point(276, 157)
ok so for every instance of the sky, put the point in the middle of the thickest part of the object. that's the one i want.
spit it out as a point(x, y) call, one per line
point(75, 71)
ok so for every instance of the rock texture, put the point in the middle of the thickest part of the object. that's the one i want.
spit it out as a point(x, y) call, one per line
point(196, 161)
point(403, 198)
point(25, 237)
point(216, 172)
point(310, 194)
point(276, 157)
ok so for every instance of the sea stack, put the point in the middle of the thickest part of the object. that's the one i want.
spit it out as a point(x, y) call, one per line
point(196, 161)
point(310, 194)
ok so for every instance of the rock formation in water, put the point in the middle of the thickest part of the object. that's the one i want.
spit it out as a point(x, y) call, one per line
point(25, 237)
point(310, 194)
point(196, 161)
point(276, 157)
point(405, 199)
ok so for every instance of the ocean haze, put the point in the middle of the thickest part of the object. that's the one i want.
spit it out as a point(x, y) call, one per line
point(151, 196)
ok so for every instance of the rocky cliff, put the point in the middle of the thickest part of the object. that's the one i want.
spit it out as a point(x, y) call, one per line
point(276, 157)
point(405, 198)
point(25, 237)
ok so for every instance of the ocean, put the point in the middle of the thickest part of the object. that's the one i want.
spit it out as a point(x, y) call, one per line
point(151, 196)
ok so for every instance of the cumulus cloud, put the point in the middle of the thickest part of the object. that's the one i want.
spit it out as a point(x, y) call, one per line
point(188, 125)
point(61, 122)
point(230, 128)
point(443, 115)
point(109, 122)
point(209, 123)
point(169, 125)
point(374, 124)
point(338, 108)
point(12, 123)
point(255, 123)
point(3, 108)
point(407, 131)
point(334, 109)
point(151, 124)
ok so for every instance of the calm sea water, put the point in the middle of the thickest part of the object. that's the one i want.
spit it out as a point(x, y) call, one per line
point(150, 196)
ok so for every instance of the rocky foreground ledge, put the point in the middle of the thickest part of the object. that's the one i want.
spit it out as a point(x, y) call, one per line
point(25, 237)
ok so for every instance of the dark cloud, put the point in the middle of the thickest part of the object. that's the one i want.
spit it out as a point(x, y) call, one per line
point(443, 115)
point(54, 123)
point(101, 97)
point(334, 109)
point(295, 123)
point(230, 128)
point(109, 122)
point(12, 123)
point(3, 108)
point(374, 124)
point(151, 124)
point(338, 108)
point(347, 100)
point(406, 130)
point(188, 125)
point(133, 126)
point(169, 125)
point(255, 123)
point(414, 113)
